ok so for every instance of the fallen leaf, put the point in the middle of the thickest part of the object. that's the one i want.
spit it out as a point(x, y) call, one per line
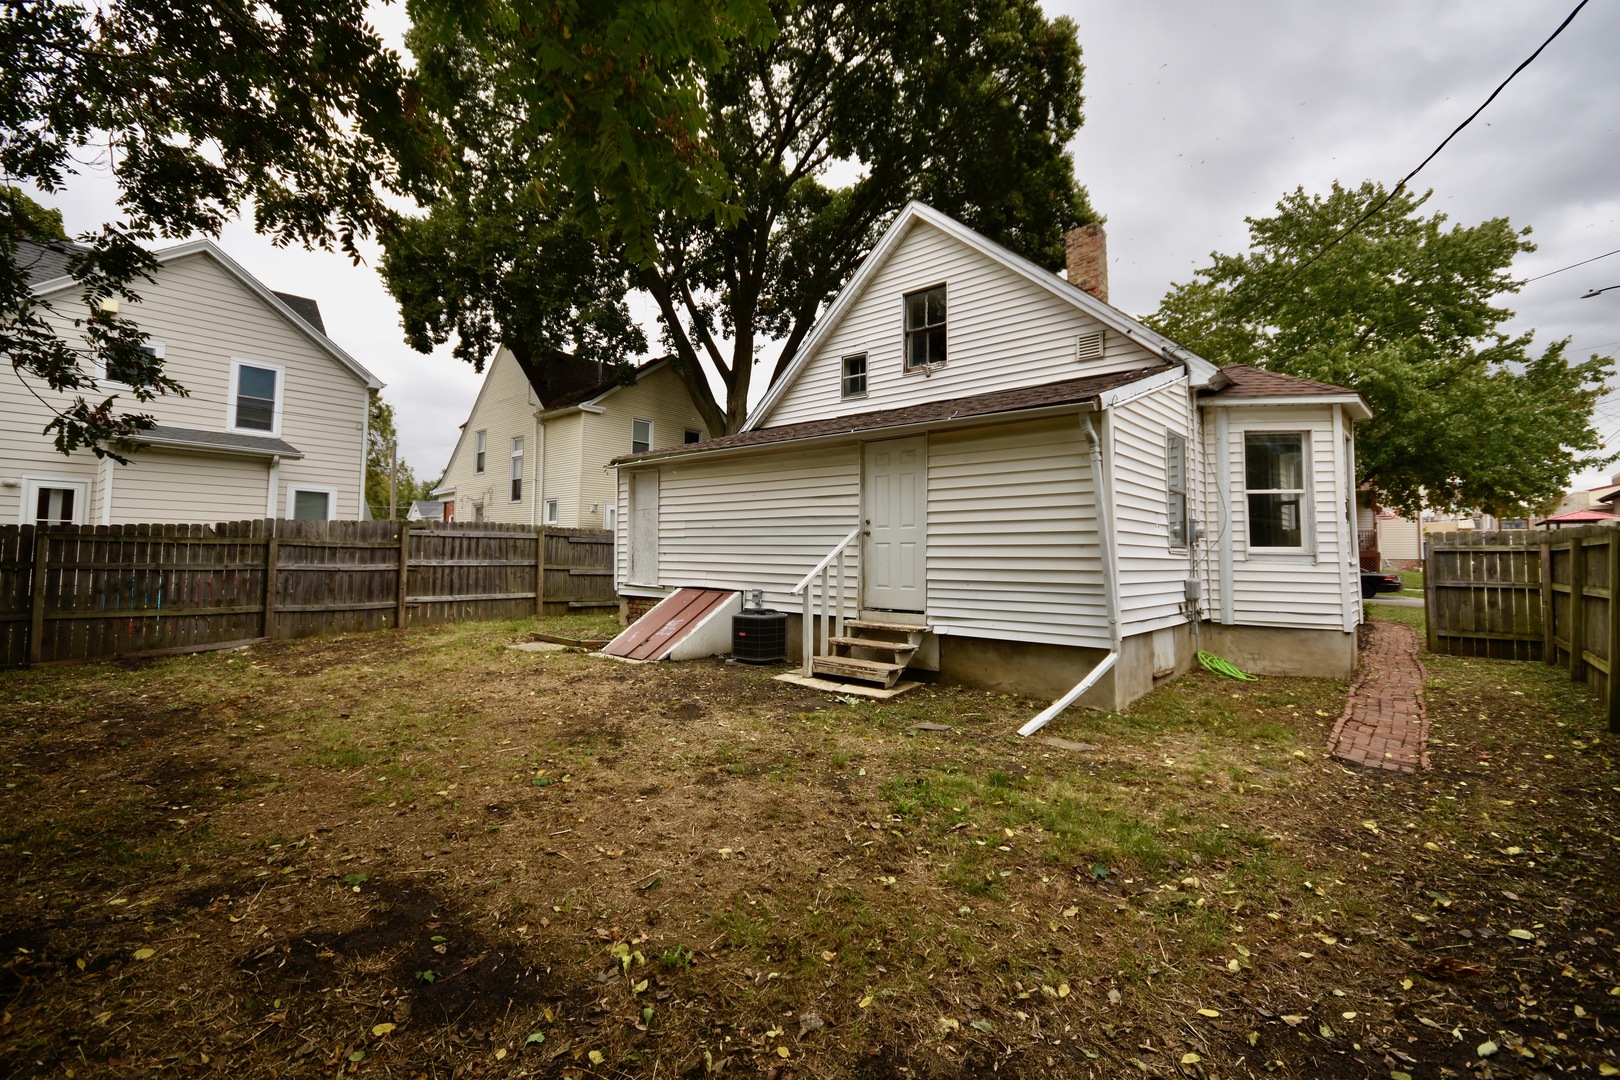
point(537, 1037)
point(828, 955)
point(596, 1057)
point(500, 1054)
point(1522, 935)
point(782, 1051)
point(1190, 1058)
point(1063, 990)
point(946, 1024)
point(865, 1001)
point(1209, 1012)
point(1293, 1019)
point(382, 1029)
point(142, 954)
point(982, 1025)
point(1486, 1049)
point(1070, 912)
point(1351, 1015)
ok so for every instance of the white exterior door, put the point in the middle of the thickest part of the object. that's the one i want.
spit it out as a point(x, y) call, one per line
point(644, 527)
point(894, 509)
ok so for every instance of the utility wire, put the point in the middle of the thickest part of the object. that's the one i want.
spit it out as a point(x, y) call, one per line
point(1572, 266)
point(1398, 188)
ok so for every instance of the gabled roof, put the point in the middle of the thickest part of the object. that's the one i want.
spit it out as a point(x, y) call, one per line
point(1111, 317)
point(57, 255)
point(1001, 402)
point(1243, 383)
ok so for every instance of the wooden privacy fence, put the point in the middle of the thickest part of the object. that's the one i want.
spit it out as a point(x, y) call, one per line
point(1520, 596)
point(85, 592)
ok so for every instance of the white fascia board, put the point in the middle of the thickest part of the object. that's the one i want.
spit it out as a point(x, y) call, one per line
point(436, 492)
point(868, 434)
point(1352, 403)
point(237, 270)
point(1200, 370)
point(1131, 391)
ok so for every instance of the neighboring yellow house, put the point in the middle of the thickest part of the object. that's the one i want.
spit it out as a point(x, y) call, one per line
point(521, 459)
point(274, 424)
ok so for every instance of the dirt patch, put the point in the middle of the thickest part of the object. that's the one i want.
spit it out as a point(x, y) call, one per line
point(442, 856)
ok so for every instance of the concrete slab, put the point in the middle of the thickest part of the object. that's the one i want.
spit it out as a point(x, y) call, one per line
point(830, 686)
point(1067, 744)
point(538, 646)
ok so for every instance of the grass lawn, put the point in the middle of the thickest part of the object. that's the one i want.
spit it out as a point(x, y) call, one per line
point(425, 854)
point(1411, 583)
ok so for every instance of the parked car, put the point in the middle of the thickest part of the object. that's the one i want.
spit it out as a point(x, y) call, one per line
point(1373, 583)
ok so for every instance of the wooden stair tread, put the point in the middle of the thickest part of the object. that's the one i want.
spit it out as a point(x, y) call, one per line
point(873, 624)
point(873, 643)
point(850, 668)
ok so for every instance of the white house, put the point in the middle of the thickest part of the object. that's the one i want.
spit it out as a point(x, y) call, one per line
point(1026, 486)
point(274, 424)
point(541, 458)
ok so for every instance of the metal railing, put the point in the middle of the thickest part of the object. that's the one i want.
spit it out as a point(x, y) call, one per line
point(812, 611)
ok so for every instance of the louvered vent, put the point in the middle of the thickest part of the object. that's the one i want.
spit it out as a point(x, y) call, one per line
point(1089, 346)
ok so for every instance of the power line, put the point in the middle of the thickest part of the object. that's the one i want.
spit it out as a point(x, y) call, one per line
point(1572, 266)
point(1396, 190)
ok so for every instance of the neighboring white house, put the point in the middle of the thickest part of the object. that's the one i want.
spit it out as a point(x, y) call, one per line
point(1025, 480)
point(274, 424)
point(521, 459)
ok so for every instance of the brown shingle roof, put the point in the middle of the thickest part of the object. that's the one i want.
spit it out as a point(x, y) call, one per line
point(1067, 392)
point(1246, 381)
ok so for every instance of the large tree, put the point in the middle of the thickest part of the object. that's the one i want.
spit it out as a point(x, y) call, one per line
point(782, 155)
point(196, 110)
point(1404, 310)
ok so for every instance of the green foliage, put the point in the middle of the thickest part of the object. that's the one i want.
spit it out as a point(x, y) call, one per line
point(380, 438)
point(1401, 311)
point(709, 179)
point(197, 109)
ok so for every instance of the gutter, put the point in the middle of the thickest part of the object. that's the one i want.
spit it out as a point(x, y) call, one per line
point(1105, 531)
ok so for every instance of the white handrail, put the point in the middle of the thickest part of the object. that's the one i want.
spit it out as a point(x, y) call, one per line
point(831, 555)
point(807, 632)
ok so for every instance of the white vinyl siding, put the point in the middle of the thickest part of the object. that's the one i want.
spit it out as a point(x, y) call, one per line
point(1270, 588)
point(1152, 574)
point(1013, 549)
point(658, 396)
point(503, 411)
point(1005, 332)
point(755, 522)
point(204, 316)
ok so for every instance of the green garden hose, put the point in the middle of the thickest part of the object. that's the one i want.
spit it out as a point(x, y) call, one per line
point(1223, 668)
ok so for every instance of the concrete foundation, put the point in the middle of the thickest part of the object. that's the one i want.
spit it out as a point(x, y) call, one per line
point(1279, 650)
point(1049, 671)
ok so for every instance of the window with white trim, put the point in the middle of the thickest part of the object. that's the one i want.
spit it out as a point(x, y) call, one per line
point(480, 442)
point(551, 512)
point(640, 436)
point(311, 503)
point(610, 517)
point(517, 469)
point(112, 375)
point(50, 501)
point(925, 328)
point(1175, 482)
point(854, 382)
point(257, 391)
point(1274, 471)
point(691, 435)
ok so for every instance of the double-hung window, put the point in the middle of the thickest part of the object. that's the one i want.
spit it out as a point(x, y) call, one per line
point(256, 397)
point(551, 512)
point(640, 436)
point(1274, 481)
point(118, 375)
point(854, 376)
point(925, 328)
point(517, 469)
point(480, 444)
point(1175, 465)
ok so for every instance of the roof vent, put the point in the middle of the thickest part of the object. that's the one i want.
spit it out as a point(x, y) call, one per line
point(1089, 346)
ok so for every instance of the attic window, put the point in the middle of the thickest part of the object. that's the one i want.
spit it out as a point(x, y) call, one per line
point(855, 376)
point(480, 444)
point(640, 436)
point(925, 328)
point(1089, 346)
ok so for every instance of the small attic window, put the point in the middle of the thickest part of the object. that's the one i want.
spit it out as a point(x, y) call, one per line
point(855, 376)
point(1089, 346)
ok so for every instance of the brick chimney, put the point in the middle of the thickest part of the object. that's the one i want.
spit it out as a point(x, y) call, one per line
point(1085, 251)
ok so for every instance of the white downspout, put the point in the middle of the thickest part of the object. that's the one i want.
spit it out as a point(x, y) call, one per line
point(537, 489)
point(1105, 533)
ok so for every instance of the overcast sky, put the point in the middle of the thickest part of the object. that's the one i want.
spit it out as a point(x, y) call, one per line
point(1199, 114)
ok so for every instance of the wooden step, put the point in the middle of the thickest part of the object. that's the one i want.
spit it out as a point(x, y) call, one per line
point(886, 627)
point(874, 643)
point(866, 670)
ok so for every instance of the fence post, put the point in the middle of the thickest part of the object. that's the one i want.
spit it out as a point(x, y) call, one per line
point(403, 576)
point(36, 616)
point(1431, 610)
point(272, 554)
point(1577, 609)
point(1612, 645)
point(540, 572)
point(1549, 632)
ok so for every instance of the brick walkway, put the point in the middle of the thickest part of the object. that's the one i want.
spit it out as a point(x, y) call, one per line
point(1385, 725)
